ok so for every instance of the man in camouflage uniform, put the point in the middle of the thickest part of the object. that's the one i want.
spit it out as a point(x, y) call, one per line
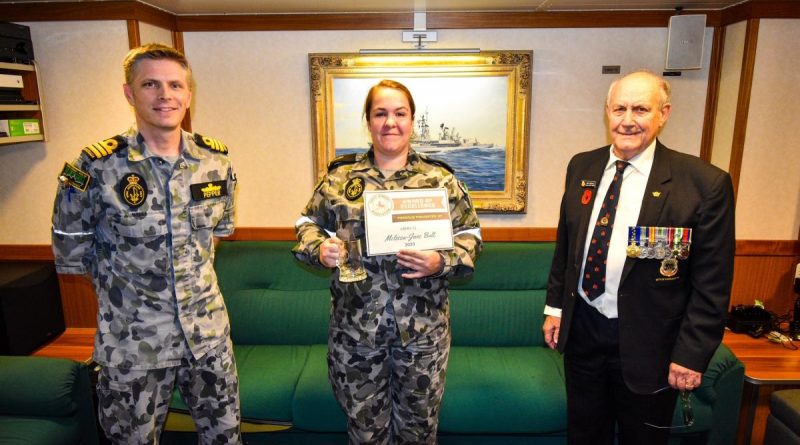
point(389, 335)
point(138, 214)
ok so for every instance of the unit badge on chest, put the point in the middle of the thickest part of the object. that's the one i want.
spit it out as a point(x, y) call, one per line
point(132, 189)
point(354, 189)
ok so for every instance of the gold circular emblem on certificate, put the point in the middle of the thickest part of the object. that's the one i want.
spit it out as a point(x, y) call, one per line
point(380, 205)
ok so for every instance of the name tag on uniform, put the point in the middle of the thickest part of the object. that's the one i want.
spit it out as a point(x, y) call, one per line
point(208, 190)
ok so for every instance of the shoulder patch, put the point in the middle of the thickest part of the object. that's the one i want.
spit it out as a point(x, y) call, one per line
point(105, 148)
point(210, 143)
point(342, 160)
point(74, 177)
point(436, 162)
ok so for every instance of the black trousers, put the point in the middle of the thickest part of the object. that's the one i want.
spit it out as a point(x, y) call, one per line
point(598, 401)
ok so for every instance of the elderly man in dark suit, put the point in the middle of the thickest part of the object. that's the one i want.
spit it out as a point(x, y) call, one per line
point(642, 272)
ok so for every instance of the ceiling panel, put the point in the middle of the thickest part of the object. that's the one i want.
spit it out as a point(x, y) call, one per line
point(192, 7)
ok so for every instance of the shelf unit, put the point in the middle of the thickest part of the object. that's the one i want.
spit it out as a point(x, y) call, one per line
point(30, 93)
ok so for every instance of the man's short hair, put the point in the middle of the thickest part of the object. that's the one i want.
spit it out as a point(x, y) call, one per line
point(665, 89)
point(153, 51)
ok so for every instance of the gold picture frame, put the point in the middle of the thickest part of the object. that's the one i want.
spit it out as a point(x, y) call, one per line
point(487, 93)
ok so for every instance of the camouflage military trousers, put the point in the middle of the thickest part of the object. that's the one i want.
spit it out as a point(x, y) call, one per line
point(133, 404)
point(390, 393)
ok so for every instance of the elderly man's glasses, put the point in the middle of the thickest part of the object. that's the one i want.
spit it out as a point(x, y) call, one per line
point(686, 406)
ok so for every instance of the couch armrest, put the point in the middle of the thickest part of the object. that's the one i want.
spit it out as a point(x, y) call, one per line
point(39, 386)
point(722, 388)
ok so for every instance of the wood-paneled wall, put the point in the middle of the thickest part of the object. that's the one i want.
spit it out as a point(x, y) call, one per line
point(763, 270)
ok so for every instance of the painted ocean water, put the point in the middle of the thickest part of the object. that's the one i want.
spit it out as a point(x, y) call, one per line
point(481, 169)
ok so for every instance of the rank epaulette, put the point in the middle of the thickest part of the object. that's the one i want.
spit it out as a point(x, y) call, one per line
point(342, 160)
point(437, 162)
point(209, 143)
point(105, 148)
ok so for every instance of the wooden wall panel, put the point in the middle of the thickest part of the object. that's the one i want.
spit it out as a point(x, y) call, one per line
point(712, 93)
point(743, 102)
point(766, 278)
point(25, 252)
point(135, 10)
point(761, 9)
point(763, 269)
point(134, 34)
point(295, 22)
point(559, 19)
point(79, 301)
point(81, 10)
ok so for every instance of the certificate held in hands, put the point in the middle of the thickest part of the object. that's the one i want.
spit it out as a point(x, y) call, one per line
point(417, 219)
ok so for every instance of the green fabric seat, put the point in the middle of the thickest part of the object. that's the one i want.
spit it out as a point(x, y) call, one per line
point(503, 386)
point(45, 401)
point(474, 316)
point(268, 375)
point(315, 408)
point(279, 317)
point(521, 391)
point(38, 431)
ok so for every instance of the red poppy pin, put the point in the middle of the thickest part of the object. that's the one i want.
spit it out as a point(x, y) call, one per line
point(587, 196)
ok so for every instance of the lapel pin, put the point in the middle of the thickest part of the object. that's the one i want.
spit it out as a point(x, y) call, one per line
point(586, 197)
point(656, 194)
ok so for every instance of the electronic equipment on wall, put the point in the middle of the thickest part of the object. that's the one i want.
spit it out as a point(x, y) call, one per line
point(685, 42)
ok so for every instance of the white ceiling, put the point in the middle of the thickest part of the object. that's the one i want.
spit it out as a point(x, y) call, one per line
point(192, 7)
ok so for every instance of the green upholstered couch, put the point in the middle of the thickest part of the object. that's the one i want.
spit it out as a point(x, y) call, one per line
point(45, 401)
point(503, 384)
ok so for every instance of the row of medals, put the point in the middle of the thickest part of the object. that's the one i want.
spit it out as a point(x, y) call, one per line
point(668, 244)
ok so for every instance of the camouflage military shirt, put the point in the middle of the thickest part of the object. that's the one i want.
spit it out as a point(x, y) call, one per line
point(419, 305)
point(144, 228)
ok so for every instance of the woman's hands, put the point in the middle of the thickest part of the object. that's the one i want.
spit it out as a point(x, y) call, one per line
point(330, 251)
point(421, 262)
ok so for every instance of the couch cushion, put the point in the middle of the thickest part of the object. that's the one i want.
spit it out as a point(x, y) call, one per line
point(264, 265)
point(504, 390)
point(279, 317)
point(42, 386)
point(267, 379)
point(315, 408)
point(38, 430)
point(510, 266)
point(474, 315)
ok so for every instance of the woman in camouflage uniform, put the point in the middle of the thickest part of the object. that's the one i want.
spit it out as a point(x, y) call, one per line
point(389, 336)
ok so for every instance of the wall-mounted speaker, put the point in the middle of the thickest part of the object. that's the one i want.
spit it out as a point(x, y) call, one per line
point(685, 42)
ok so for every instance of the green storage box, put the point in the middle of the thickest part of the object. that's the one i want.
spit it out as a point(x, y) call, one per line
point(20, 127)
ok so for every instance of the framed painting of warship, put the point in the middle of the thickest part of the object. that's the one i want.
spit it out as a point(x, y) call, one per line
point(472, 112)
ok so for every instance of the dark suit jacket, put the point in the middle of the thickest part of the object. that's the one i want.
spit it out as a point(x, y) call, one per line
point(661, 320)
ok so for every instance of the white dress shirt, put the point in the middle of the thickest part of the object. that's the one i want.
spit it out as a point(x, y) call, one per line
point(634, 182)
